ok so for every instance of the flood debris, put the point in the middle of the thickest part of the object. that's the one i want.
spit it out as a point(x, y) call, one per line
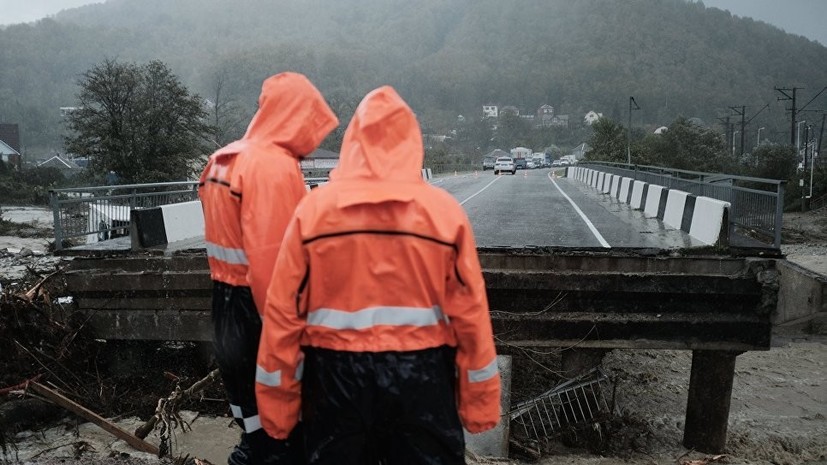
point(573, 404)
point(89, 415)
point(167, 413)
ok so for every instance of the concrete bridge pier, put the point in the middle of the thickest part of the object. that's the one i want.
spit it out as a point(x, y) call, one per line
point(707, 406)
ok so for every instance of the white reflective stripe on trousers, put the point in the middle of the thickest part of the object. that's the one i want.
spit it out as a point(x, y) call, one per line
point(485, 373)
point(252, 424)
point(268, 378)
point(227, 254)
point(375, 316)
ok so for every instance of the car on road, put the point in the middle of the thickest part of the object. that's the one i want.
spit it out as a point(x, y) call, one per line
point(505, 164)
point(520, 163)
point(530, 165)
point(488, 163)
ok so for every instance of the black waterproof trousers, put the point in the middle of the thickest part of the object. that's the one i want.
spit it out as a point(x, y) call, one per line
point(389, 408)
point(237, 327)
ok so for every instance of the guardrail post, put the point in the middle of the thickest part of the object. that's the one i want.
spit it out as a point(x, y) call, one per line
point(58, 227)
point(779, 215)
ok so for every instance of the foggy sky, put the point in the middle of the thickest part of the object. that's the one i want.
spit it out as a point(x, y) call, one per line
point(24, 11)
point(801, 17)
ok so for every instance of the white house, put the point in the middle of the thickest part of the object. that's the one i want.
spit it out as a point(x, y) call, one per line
point(490, 111)
point(591, 117)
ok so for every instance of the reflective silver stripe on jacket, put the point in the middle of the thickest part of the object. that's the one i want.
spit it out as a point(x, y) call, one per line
point(226, 254)
point(483, 374)
point(268, 378)
point(375, 316)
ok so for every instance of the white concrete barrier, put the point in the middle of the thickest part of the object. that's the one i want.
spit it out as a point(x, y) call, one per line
point(710, 219)
point(164, 224)
point(183, 220)
point(607, 183)
point(615, 185)
point(675, 203)
point(652, 201)
point(624, 189)
point(637, 195)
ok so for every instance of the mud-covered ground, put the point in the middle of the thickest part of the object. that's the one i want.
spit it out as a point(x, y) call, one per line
point(778, 413)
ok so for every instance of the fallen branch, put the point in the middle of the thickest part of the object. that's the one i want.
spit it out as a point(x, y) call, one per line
point(168, 407)
point(30, 295)
point(19, 387)
point(106, 425)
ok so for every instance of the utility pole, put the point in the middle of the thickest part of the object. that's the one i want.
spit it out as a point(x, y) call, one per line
point(821, 134)
point(807, 146)
point(787, 96)
point(629, 131)
point(742, 112)
point(727, 128)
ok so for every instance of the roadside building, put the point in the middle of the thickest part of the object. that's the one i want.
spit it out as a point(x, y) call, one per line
point(67, 167)
point(319, 163)
point(10, 145)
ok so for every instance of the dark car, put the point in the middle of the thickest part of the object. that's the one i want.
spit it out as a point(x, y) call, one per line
point(521, 163)
point(488, 163)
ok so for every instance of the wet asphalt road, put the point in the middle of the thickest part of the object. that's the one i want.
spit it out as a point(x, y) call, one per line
point(535, 208)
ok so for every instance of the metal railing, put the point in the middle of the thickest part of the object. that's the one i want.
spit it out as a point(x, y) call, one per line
point(816, 204)
point(756, 204)
point(93, 214)
point(576, 402)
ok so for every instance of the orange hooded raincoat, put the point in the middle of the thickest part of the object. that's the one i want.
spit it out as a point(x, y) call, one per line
point(250, 188)
point(378, 260)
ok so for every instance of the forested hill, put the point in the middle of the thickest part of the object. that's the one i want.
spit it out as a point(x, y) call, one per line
point(446, 57)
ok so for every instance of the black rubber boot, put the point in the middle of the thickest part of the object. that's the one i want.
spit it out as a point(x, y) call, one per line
point(241, 453)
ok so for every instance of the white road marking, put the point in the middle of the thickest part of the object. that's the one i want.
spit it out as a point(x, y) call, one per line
point(496, 178)
point(582, 215)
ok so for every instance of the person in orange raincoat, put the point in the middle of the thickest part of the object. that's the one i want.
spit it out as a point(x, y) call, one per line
point(377, 332)
point(249, 190)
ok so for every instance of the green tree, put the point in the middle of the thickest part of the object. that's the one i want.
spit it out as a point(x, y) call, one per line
point(139, 122)
point(512, 131)
point(608, 141)
point(685, 145)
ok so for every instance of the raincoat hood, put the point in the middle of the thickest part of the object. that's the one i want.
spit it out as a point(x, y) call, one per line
point(382, 153)
point(291, 114)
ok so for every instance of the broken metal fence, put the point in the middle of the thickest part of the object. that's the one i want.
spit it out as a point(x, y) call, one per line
point(581, 401)
point(93, 214)
point(756, 204)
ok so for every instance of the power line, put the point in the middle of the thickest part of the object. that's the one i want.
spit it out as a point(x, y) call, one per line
point(787, 96)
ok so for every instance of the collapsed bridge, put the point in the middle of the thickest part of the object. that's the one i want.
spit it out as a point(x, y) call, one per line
point(587, 301)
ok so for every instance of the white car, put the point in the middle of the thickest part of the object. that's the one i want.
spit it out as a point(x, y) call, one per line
point(505, 164)
point(531, 165)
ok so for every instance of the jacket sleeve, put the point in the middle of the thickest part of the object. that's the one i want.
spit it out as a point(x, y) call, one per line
point(270, 193)
point(466, 305)
point(280, 361)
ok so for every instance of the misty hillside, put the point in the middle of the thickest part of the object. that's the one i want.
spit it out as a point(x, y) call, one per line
point(446, 57)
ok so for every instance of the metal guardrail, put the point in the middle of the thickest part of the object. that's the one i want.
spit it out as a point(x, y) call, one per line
point(95, 214)
point(575, 402)
point(99, 213)
point(816, 204)
point(756, 204)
